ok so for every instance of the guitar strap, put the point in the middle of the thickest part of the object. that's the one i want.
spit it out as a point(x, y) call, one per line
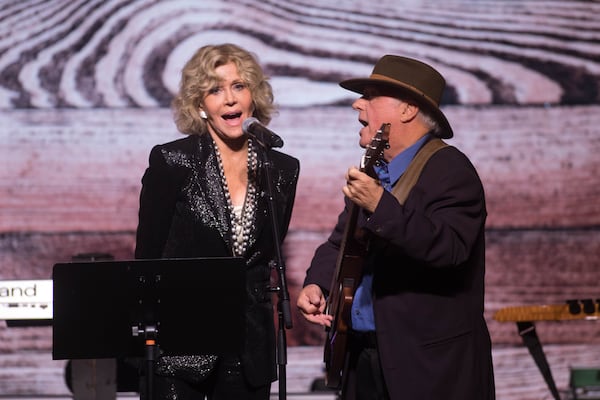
point(408, 179)
point(531, 340)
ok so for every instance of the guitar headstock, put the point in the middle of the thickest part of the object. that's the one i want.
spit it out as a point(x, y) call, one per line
point(374, 151)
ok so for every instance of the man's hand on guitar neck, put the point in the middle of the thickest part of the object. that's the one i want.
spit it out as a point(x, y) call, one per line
point(362, 190)
point(311, 303)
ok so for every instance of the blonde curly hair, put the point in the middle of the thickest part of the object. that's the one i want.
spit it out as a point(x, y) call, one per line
point(198, 77)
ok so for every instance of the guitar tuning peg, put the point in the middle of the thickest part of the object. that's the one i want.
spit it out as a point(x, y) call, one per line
point(574, 306)
point(588, 306)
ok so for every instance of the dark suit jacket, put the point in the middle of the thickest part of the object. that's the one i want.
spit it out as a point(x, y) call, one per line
point(428, 258)
point(183, 213)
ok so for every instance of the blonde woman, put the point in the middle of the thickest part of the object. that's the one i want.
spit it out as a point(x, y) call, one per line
point(204, 196)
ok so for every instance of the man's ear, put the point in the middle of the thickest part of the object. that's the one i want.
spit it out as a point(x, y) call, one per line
point(408, 111)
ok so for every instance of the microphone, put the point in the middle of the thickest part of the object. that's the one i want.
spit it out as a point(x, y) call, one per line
point(252, 127)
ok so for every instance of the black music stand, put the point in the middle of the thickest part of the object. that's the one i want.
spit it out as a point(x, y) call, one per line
point(110, 309)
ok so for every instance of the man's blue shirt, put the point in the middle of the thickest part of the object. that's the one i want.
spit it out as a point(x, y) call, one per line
point(362, 304)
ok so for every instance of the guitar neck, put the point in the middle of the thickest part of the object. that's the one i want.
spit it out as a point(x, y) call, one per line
point(572, 310)
point(348, 271)
point(348, 247)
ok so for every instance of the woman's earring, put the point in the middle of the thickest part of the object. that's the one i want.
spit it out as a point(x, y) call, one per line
point(203, 114)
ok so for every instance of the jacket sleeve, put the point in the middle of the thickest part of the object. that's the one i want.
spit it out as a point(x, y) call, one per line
point(323, 264)
point(443, 216)
point(289, 193)
point(157, 204)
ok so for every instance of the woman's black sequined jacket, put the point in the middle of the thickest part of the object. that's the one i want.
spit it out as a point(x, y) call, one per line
point(183, 213)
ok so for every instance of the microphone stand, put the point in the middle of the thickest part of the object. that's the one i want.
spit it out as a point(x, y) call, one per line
point(283, 305)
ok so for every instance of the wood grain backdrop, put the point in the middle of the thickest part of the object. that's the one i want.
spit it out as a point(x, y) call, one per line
point(84, 94)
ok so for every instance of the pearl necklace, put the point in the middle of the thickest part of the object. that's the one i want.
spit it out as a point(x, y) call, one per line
point(242, 219)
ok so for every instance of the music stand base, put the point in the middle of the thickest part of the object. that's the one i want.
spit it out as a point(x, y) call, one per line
point(94, 379)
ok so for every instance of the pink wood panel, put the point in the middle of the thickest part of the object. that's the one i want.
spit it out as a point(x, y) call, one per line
point(523, 268)
point(82, 171)
point(70, 177)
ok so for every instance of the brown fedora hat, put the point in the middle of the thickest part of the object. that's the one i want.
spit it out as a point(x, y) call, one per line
point(421, 82)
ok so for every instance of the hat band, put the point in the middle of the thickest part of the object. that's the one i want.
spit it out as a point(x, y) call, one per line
point(410, 87)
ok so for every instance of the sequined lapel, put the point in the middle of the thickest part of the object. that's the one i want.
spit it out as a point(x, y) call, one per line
point(205, 192)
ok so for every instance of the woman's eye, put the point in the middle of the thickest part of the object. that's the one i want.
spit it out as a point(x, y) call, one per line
point(215, 90)
point(239, 86)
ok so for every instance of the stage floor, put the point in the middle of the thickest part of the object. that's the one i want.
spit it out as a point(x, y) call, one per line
point(35, 376)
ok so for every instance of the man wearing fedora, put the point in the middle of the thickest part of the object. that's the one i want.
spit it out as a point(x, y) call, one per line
point(417, 327)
